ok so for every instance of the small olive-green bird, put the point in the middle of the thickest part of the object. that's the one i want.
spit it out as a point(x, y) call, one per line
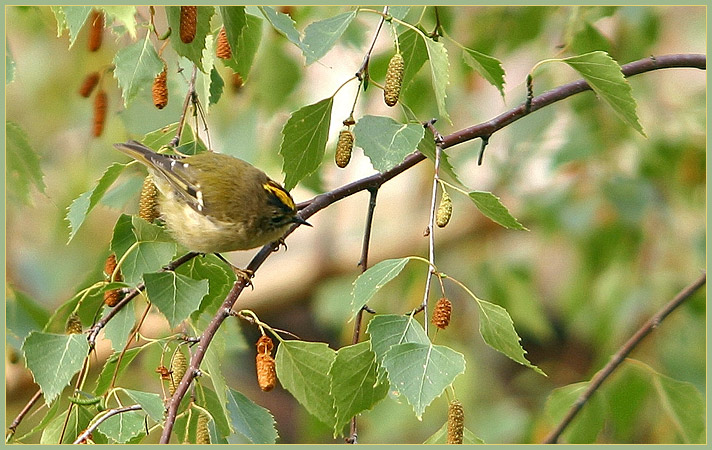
point(213, 203)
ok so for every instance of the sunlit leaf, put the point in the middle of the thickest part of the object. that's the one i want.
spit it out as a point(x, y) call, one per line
point(385, 141)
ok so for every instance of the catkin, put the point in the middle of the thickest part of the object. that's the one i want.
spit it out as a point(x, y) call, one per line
point(88, 85)
point(148, 201)
point(202, 435)
point(188, 23)
point(266, 375)
point(223, 50)
point(444, 213)
point(110, 267)
point(96, 30)
point(344, 148)
point(455, 422)
point(112, 297)
point(160, 90)
point(442, 313)
point(394, 80)
point(73, 325)
point(100, 104)
point(237, 81)
point(179, 365)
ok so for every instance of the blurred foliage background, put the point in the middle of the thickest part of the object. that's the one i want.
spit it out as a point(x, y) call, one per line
point(617, 221)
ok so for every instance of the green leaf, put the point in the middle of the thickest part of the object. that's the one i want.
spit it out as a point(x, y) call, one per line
point(162, 136)
point(124, 14)
point(23, 315)
point(214, 356)
point(605, 77)
point(385, 141)
point(9, 65)
point(439, 72)
point(587, 424)
point(251, 420)
point(372, 280)
point(107, 372)
point(82, 205)
point(51, 414)
point(320, 36)
point(421, 372)
point(387, 330)
point(497, 329)
point(23, 163)
point(244, 33)
point(283, 24)
point(175, 295)
point(426, 146)
point(304, 139)
point(399, 12)
point(135, 68)
point(61, 19)
point(490, 205)
point(151, 403)
point(216, 87)
point(220, 279)
point(54, 359)
point(490, 68)
point(218, 410)
point(440, 437)
point(203, 79)
point(78, 421)
point(414, 53)
point(681, 401)
point(119, 328)
point(147, 246)
point(589, 39)
point(354, 385)
point(194, 50)
point(75, 17)
point(122, 427)
point(302, 369)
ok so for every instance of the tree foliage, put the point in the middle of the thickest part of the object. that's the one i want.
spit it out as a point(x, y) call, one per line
point(583, 217)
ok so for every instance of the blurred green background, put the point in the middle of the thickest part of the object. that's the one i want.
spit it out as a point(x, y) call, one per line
point(617, 221)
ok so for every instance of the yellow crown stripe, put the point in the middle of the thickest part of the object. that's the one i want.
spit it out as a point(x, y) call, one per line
point(281, 194)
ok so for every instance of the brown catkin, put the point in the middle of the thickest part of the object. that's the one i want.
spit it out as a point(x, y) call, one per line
point(110, 267)
point(100, 104)
point(112, 297)
point(264, 345)
point(237, 81)
point(188, 23)
point(96, 30)
point(88, 85)
point(266, 375)
point(394, 80)
point(444, 213)
point(442, 313)
point(455, 422)
point(202, 435)
point(73, 325)
point(223, 50)
point(160, 90)
point(179, 365)
point(148, 201)
point(344, 148)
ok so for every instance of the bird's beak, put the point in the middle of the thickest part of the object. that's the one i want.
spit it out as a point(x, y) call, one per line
point(301, 221)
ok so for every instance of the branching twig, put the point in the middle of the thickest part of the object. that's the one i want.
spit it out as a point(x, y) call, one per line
point(191, 92)
point(621, 354)
point(112, 412)
point(363, 262)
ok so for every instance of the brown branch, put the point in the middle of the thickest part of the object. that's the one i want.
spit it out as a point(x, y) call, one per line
point(321, 201)
point(621, 354)
point(21, 415)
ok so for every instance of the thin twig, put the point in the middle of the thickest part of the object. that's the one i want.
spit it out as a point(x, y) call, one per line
point(191, 92)
point(363, 262)
point(112, 412)
point(621, 354)
point(16, 422)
